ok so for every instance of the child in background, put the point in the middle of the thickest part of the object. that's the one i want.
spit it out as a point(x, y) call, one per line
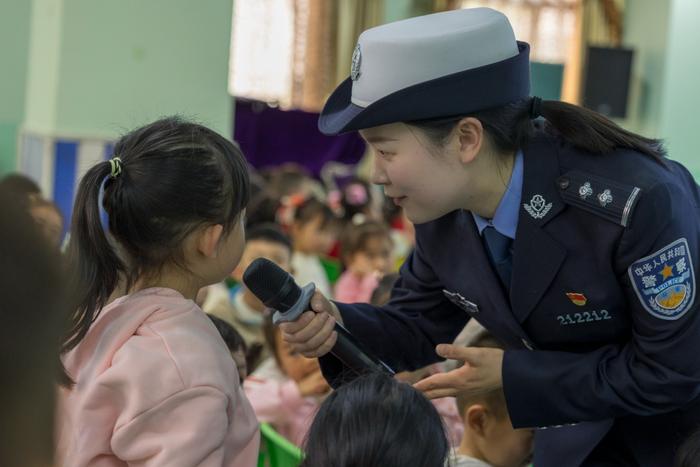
point(403, 232)
point(287, 389)
point(376, 421)
point(366, 251)
point(20, 187)
point(31, 323)
point(238, 306)
point(489, 437)
point(446, 406)
point(154, 383)
point(235, 343)
point(356, 202)
point(313, 232)
point(49, 218)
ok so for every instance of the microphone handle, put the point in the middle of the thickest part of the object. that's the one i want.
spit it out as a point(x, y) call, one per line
point(346, 349)
point(351, 353)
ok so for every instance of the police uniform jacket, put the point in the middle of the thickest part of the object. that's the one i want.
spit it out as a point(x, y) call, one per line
point(601, 322)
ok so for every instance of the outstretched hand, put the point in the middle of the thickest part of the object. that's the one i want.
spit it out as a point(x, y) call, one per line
point(480, 373)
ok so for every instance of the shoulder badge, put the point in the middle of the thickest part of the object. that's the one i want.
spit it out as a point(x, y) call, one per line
point(665, 280)
point(607, 198)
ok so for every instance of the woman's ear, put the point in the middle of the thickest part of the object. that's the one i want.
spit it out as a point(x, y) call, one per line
point(476, 419)
point(470, 135)
point(208, 240)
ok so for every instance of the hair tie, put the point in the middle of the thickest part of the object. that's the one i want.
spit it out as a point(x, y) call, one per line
point(356, 194)
point(535, 107)
point(288, 208)
point(116, 164)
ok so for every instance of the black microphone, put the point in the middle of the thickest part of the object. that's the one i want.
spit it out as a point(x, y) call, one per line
point(276, 288)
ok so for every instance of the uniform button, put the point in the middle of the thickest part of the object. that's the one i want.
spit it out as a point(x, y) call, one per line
point(527, 344)
point(563, 183)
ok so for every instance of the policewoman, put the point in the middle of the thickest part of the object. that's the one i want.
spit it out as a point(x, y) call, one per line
point(571, 240)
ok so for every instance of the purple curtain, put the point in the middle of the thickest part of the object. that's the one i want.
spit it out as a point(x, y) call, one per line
point(270, 136)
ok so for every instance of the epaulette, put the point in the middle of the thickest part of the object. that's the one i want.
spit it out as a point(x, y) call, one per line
point(607, 198)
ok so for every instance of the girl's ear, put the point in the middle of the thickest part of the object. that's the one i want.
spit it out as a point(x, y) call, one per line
point(208, 240)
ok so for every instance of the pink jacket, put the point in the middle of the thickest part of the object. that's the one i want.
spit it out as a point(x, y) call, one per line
point(447, 408)
point(353, 289)
point(277, 401)
point(155, 386)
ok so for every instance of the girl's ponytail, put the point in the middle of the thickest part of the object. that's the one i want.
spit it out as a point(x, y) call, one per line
point(94, 262)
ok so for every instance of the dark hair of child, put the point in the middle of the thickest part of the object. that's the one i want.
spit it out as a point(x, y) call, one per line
point(354, 238)
point(312, 208)
point(171, 177)
point(269, 232)
point(234, 341)
point(376, 421)
point(19, 184)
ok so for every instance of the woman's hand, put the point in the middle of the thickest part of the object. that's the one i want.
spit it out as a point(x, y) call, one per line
point(312, 334)
point(480, 373)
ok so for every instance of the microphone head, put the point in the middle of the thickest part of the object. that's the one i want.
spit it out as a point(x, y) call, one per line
point(274, 286)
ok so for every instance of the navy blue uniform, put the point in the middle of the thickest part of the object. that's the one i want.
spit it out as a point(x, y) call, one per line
point(601, 321)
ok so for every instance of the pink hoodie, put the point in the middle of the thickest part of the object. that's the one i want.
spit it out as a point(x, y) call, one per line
point(155, 386)
point(353, 289)
point(276, 400)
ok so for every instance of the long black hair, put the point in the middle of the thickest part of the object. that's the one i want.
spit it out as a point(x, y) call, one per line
point(511, 126)
point(175, 176)
point(376, 421)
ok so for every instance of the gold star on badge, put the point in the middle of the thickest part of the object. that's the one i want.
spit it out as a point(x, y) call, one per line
point(667, 271)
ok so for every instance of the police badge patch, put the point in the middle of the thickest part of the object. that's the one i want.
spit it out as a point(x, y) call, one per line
point(665, 281)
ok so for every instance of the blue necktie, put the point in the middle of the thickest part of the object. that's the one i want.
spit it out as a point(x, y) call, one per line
point(500, 253)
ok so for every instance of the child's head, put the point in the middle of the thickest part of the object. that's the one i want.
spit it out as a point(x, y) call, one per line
point(313, 229)
point(235, 343)
point(34, 309)
point(356, 199)
point(288, 179)
point(488, 432)
point(17, 184)
point(265, 241)
point(367, 248)
point(375, 421)
point(293, 364)
point(174, 195)
point(49, 218)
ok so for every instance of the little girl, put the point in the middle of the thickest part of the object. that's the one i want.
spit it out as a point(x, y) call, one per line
point(313, 232)
point(287, 389)
point(366, 251)
point(154, 382)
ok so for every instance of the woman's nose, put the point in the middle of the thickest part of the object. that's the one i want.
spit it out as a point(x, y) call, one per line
point(378, 176)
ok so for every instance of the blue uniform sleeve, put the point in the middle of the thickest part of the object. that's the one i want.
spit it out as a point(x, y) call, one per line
point(404, 332)
point(657, 370)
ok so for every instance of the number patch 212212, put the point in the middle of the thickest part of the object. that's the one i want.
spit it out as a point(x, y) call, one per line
point(584, 317)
